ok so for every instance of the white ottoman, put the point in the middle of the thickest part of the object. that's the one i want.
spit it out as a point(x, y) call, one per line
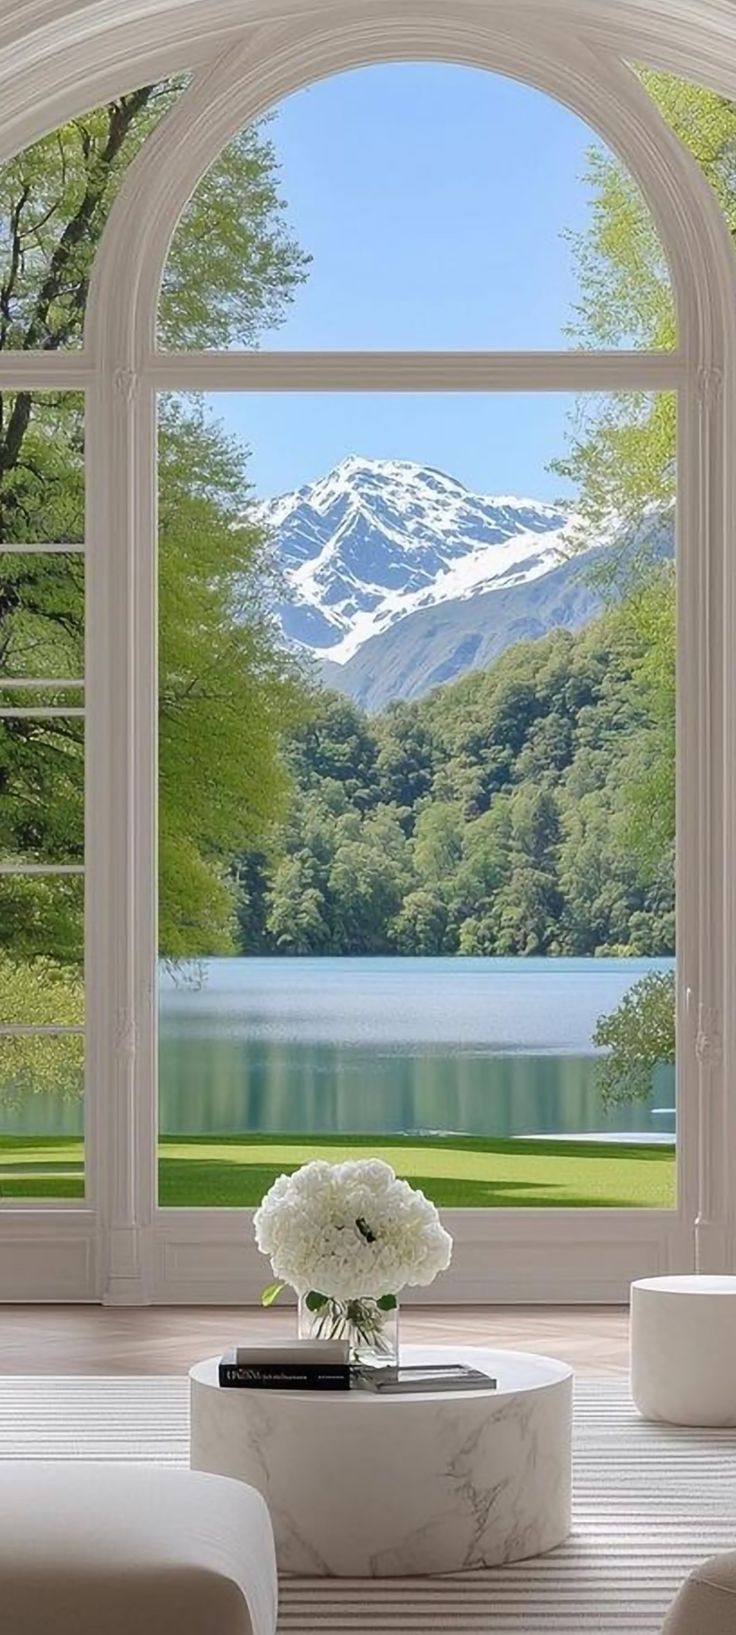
point(706, 1604)
point(132, 1550)
point(683, 1349)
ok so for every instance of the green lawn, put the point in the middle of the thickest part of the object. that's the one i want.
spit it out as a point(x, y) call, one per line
point(455, 1172)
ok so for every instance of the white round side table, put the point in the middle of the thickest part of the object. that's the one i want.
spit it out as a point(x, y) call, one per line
point(683, 1349)
point(362, 1485)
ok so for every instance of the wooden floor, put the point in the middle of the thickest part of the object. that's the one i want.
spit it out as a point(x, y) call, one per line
point(167, 1339)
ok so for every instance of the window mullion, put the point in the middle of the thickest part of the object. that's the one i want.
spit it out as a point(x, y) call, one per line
point(416, 371)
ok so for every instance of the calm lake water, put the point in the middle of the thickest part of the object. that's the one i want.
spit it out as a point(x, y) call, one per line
point(495, 1047)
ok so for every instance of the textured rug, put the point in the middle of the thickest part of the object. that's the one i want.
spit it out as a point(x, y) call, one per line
point(650, 1501)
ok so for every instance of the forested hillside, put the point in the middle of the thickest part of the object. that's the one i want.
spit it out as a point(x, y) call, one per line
point(496, 816)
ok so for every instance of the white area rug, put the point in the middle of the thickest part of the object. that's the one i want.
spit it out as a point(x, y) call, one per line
point(650, 1501)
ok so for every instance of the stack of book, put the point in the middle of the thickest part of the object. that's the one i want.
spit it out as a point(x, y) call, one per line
point(323, 1365)
point(309, 1365)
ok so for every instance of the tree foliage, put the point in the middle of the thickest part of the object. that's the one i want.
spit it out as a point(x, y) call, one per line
point(621, 453)
point(638, 1035)
point(622, 457)
point(43, 992)
point(513, 833)
point(228, 690)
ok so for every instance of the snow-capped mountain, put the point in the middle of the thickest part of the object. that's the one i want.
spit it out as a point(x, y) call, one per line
point(398, 578)
point(375, 541)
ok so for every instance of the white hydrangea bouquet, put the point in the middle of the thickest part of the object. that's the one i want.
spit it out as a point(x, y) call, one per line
point(348, 1238)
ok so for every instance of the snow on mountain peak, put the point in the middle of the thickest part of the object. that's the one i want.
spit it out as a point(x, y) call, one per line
point(374, 540)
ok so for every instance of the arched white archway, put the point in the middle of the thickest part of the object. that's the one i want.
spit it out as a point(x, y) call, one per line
point(58, 57)
point(244, 83)
point(194, 1255)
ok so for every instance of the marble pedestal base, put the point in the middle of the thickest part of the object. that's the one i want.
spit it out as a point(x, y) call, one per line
point(360, 1485)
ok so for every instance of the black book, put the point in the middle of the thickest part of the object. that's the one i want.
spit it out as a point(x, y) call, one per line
point(282, 1376)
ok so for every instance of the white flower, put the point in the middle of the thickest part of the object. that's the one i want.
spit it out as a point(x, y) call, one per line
point(350, 1230)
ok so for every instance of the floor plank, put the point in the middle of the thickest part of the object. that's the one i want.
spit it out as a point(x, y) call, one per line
point(167, 1339)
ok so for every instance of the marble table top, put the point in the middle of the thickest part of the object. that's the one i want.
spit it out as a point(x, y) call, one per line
point(516, 1372)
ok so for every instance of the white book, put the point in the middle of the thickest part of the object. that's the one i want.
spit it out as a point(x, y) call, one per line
point(298, 1353)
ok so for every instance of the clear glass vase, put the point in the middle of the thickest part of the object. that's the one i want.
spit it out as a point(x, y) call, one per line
point(371, 1327)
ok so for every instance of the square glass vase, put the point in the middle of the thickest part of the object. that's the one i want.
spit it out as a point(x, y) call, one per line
point(371, 1327)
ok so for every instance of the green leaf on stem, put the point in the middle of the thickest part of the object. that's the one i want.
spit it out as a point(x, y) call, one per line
point(271, 1293)
point(387, 1302)
point(315, 1301)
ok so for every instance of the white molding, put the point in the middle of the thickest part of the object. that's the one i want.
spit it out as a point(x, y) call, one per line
point(570, 371)
point(40, 712)
point(41, 549)
point(45, 371)
point(120, 831)
point(59, 57)
point(14, 684)
point(49, 1254)
point(46, 1030)
point(499, 1256)
point(38, 868)
point(241, 85)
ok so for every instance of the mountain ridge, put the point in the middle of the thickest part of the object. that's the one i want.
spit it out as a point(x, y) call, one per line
point(398, 577)
point(375, 540)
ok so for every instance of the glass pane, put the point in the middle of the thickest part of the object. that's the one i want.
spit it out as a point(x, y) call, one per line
point(41, 1073)
point(41, 618)
point(417, 795)
point(42, 782)
point(40, 992)
point(498, 223)
point(42, 917)
point(41, 1117)
point(41, 468)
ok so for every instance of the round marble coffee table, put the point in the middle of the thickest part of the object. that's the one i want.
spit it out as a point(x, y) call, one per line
point(361, 1485)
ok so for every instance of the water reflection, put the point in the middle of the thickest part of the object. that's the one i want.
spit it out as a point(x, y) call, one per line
point(489, 1047)
point(221, 1087)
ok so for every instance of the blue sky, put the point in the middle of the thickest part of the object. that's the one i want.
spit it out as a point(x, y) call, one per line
point(432, 199)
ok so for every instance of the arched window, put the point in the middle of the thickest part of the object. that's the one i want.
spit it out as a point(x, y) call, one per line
point(143, 347)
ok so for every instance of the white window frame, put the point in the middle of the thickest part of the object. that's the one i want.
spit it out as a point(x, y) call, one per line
point(120, 1246)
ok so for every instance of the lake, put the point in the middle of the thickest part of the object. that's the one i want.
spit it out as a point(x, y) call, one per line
point(492, 1047)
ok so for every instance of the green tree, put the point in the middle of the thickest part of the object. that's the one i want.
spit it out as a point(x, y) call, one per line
point(438, 841)
point(228, 692)
point(223, 684)
point(622, 448)
point(647, 617)
point(420, 926)
point(623, 459)
point(530, 904)
point(638, 1035)
point(406, 755)
point(545, 866)
point(338, 743)
point(46, 992)
point(296, 909)
point(369, 878)
point(476, 888)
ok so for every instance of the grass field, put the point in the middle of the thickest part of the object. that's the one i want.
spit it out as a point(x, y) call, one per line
point(456, 1171)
